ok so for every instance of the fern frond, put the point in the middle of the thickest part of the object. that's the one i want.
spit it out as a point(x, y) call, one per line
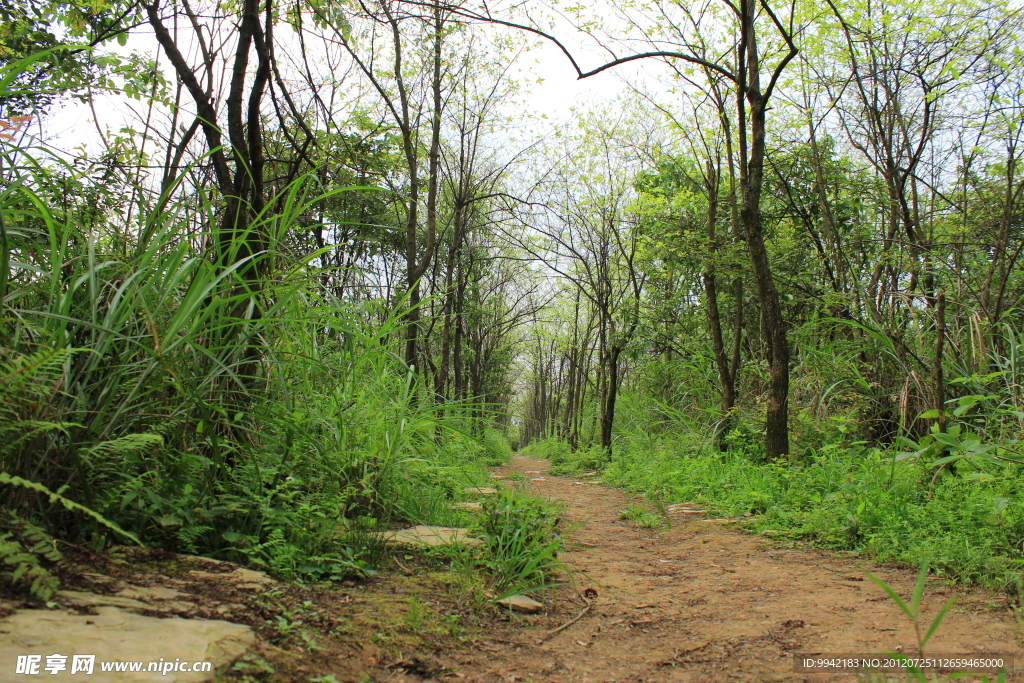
point(18, 372)
point(21, 548)
point(68, 504)
point(130, 443)
point(26, 568)
point(24, 430)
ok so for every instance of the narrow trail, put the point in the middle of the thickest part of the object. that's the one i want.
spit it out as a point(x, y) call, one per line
point(704, 602)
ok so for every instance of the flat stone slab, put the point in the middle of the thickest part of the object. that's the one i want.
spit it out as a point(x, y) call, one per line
point(480, 490)
point(239, 575)
point(521, 603)
point(80, 599)
point(150, 593)
point(432, 536)
point(115, 635)
point(467, 506)
point(250, 576)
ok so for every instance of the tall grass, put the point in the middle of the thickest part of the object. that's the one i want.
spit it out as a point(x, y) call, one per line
point(146, 380)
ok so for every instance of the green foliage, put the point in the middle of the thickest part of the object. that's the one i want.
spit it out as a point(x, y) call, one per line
point(580, 461)
point(545, 449)
point(641, 515)
point(497, 449)
point(964, 441)
point(50, 50)
point(564, 460)
point(148, 386)
point(850, 497)
point(24, 548)
point(521, 542)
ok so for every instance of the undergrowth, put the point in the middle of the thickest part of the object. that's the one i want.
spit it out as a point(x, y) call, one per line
point(151, 388)
point(642, 516)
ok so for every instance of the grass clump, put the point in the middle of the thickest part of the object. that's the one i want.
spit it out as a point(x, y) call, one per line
point(545, 449)
point(496, 447)
point(640, 515)
point(522, 539)
point(564, 460)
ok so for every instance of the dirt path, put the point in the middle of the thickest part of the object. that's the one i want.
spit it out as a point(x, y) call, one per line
point(704, 602)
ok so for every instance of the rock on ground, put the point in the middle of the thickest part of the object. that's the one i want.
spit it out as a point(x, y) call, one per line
point(431, 536)
point(521, 603)
point(113, 634)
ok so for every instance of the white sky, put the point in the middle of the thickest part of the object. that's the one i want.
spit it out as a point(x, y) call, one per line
point(558, 94)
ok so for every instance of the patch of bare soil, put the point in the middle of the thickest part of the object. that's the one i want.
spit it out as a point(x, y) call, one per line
point(706, 602)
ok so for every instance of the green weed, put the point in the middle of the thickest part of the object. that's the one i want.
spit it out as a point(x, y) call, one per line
point(496, 448)
point(642, 516)
point(850, 497)
point(522, 539)
point(415, 613)
point(923, 633)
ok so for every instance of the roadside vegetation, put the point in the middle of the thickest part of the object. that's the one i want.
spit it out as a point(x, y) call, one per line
point(163, 382)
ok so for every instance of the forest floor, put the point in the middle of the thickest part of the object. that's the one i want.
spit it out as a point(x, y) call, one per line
point(697, 600)
point(702, 601)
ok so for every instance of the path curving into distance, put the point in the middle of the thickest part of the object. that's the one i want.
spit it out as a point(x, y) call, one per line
point(705, 602)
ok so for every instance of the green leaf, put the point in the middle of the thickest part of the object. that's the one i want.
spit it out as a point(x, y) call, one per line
point(891, 593)
point(948, 459)
point(915, 602)
point(949, 440)
point(70, 505)
point(936, 621)
point(169, 520)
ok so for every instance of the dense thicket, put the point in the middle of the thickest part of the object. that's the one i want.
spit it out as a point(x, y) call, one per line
point(269, 318)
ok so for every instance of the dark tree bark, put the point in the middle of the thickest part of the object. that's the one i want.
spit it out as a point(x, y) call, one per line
point(725, 376)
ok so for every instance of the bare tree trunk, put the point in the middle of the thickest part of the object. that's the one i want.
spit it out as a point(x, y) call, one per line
point(725, 378)
point(608, 410)
point(752, 181)
point(940, 339)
